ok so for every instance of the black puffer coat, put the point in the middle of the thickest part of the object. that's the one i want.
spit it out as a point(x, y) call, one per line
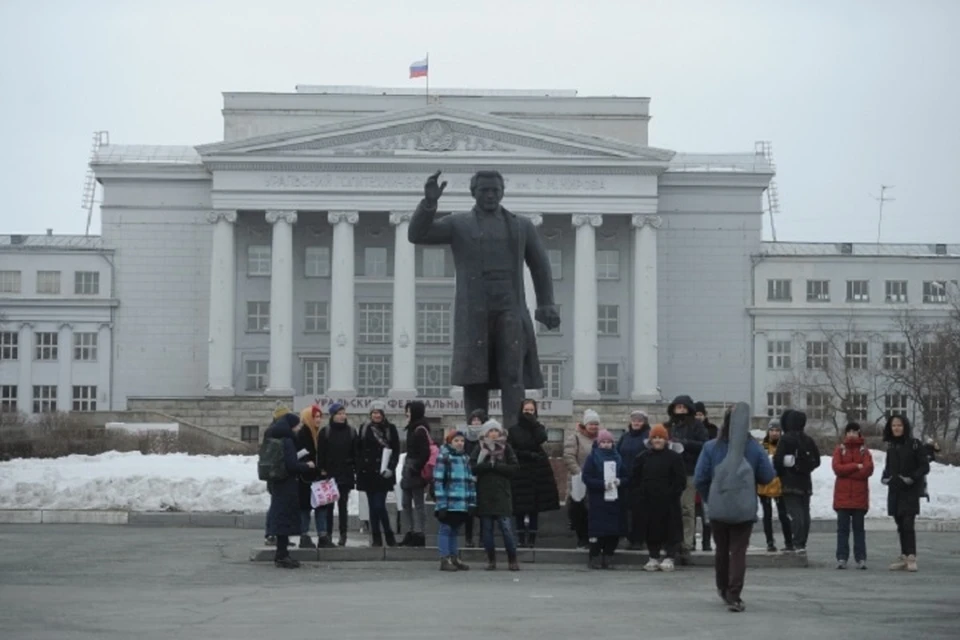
point(370, 453)
point(304, 442)
point(283, 516)
point(794, 442)
point(418, 447)
point(337, 454)
point(534, 486)
point(658, 480)
point(906, 458)
point(688, 431)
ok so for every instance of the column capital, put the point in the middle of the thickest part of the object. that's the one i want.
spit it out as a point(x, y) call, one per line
point(26, 325)
point(227, 215)
point(642, 220)
point(399, 217)
point(336, 217)
point(65, 325)
point(592, 219)
point(105, 325)
point(535, 218)
point(273, 217)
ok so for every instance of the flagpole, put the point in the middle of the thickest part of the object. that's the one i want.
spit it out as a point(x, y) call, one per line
point(427, 94)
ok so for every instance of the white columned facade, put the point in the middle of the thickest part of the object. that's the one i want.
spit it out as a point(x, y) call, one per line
point(281, 303)
point(531, 295)
point(25, 382)
point(404, 360)
point(585, 308)
point(645, 358)
point(342, 303)
point(223, 302)
point(104, 364)
point(65, 362)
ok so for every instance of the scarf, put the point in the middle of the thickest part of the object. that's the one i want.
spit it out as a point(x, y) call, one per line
point(494, 448)
point(473, 432)
point(379, 431)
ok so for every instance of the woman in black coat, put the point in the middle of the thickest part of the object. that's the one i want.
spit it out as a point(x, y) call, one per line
point(375, 437)
point(306, 441)
point(534, 486)
point(904, 474)
point(413, 485)
point(657, 482)
point(337, 459)
point(283, 516)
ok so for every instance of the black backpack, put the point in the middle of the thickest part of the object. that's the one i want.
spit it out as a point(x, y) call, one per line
point(270, 465)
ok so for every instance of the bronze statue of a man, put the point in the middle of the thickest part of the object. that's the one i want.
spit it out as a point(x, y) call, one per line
point(494, 343)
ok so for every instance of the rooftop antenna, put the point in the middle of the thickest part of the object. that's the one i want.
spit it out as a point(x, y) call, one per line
point(765, 148)
point(882, 199)
point(100, 138)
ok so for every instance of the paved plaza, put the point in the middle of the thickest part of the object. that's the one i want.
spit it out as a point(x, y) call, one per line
point(82, 581)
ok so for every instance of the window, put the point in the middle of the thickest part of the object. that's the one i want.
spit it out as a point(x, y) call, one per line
point(258, 317)
point(46, 346)
point(375, 262)
point(777, 403)
point(935, 409)
point(818, 355)
point(315, 376)
point(317, 317)
point(542, 329)
point(84, 398)
point(855, 355)
point(9, 345)
point(316, 263)
point(895, 290)
point(44, 398)
point(433, 323)
point(86, 283)
point(8, 398)
point(555, 435)
point(250, 433)
point(779, 291)
point(608, 320)
point(818, 291)
point(931, 356)
point(894, 356)
point(9, 282)
point(935, 292)
point(255, 372)
point(818, 406)
point(85, 346)
point(608, 264)
point(858, 291)
point(48, 282)
point(258, 260)
point(551, 372)
point(895, 404)
point(373, 376)
point(778, 354)
point(555, 256)
point(608, 379)
point(433, 263)
point(857, 407)
point(433, 377)
point(376, 322)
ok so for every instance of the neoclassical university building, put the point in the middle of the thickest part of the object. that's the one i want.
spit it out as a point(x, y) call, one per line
point(275, 264)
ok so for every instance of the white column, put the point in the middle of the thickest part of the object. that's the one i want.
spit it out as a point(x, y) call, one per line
point(404, 310)
point(342, 304)
point(223, 302)
point(25, 383)
point(280, 382)
point(65, 362)
point(585, 308)
point(104, 364)
point(645, 360)
point(531, 295)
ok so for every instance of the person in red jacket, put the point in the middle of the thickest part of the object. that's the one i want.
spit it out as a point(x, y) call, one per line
point(853, 466)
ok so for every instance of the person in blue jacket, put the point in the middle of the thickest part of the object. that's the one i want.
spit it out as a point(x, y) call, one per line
point(283, 516)
point(603, 500)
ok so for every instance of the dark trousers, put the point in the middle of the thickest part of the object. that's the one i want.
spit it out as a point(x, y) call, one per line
point(468, 528)
point(341, 514)
point(487, 524)
point(528, 522)
point(767, 504)
point(798, 509)
point(908, 534)
point(730, 563)
point(705, 523)
point(507, 345)
point(844, 517)
point(579, 519)
point(379, 518)
point(655, 549)
point(605, 545)
point(283, 542)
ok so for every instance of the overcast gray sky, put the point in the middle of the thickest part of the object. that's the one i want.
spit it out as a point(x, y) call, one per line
point(852, 93)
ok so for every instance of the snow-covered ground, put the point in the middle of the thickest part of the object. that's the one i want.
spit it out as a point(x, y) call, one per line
point(181, 482)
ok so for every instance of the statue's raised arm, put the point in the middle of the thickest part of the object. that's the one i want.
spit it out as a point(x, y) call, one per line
point(423, 228)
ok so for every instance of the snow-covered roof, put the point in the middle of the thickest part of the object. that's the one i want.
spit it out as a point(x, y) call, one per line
point(719, 163)
point(39, 241)
point(887, 249)
point(146, 154)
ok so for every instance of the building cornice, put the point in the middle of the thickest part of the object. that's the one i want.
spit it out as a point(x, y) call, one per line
point(848, 313)
point(422, 165)
point(59, 303)
point(726, 179)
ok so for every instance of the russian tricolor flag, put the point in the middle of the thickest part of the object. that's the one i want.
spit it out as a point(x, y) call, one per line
point(419, 69)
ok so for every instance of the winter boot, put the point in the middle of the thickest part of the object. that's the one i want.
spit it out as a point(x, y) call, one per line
point(513, 565)
point(390, 539)
point(407, 539)
point(736, 606)
point(531, 539)
point(419, 540)
point(458, 563)
point(666, 565)
point(286, 562)
point(306, 542)
point(522, 538)
point(446, 564)
point(325, 543)
point(772, 548)
point(594, 563)
point(911, 563)
point(342, 541)
point(376, 539)
point(900, 564)
point(606, 562)
point(491, 561)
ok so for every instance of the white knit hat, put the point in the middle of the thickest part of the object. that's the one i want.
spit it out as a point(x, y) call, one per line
point(591, 416)
point(488, 425)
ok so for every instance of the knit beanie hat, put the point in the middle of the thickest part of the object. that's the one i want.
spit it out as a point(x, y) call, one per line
point(591, 416)
point(699, 407)
point(488, 426)
point(280, 410)
point(379, 405)
point(639, 415)
point(335, 408)
point(659, 431)
point(774, 424)
point(604, 436)
point(453, 433)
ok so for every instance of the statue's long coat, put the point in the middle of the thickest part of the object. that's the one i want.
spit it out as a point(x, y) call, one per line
point(471, 361)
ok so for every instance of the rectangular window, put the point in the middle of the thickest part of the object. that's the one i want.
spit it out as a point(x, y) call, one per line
point(433, 263)
point(315, 376)
point(8, 398)
point(551, 372)
point(778, 354)
point(259, 258)
point(935, 292)
point(895, 290)
point(316, 317)
point(433, 322)
point(86, 283)
point(542, 329)
point(44, 398)
point(857, 407)
point(9, 345)
point(433, 377)
point(818, 291)
point(316, 262)
point(85, 346)
point(608, 378)
point(779, 291)
point(858, 291)
point(855, 355)
point(48, 282)
point(555, 256)
point(608, 320)
point(45, 346)
point(9, 282)
point(932, 357)
point(258, 317)
point(375, 322)
point(375, 262)
point(373, 376)
point(894, 356)
point(84, 398)
point(895, 404)
point(250, 433)
point(777, 403)
point(255, 374)
point(935, 409)
point(818, 406)
point(608, 264)
point(818, 355)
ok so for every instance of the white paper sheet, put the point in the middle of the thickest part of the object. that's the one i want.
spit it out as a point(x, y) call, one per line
point(578, 490)
point(609, 475)
point(385, 459)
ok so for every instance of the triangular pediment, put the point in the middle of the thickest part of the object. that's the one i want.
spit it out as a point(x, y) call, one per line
point(430, 130)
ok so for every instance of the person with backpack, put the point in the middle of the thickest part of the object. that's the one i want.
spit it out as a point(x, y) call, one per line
point(456, 499)
point(494, 464)
point(373, 477)
point(727, 474)
point(279, 466)
point(420, 449)
point(905, 474)
point(337, 459)
point(306, 442)
point(279, 410)
point(795, 460)
point(534, 487)
point(772, 495)
point(853, 466)
point(632, 443)
point(656, 485)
